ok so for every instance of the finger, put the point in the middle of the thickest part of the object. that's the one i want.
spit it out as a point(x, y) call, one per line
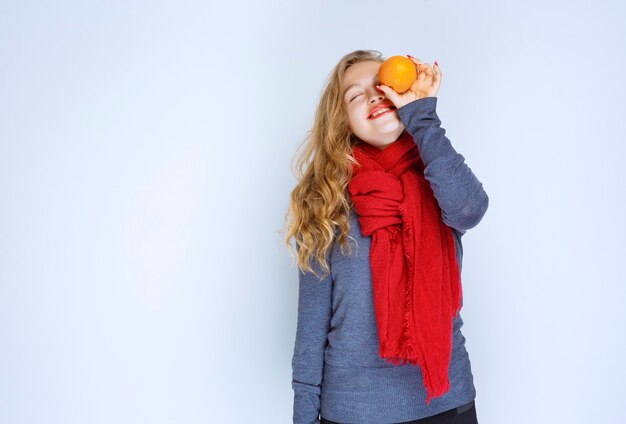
point(424, 72)
point(427, 68)
point(389, 92)
point(415, 60)
point(427, 72)
point(437, 79)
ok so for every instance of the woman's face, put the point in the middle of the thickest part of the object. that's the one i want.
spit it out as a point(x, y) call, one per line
point(361, 98)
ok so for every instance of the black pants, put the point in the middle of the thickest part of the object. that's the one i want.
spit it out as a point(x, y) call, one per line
point(465, 414)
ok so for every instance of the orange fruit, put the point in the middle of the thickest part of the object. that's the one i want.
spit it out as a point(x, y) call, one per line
point(398, 72)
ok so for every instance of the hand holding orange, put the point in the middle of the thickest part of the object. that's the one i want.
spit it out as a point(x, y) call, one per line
point(407, 79)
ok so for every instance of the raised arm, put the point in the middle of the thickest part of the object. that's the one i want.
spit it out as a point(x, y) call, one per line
point(460, 194)
point(314, 313)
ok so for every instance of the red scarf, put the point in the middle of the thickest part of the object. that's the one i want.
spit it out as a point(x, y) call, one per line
point(415, 274)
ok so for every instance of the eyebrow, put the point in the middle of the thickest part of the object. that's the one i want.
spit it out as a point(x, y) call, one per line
point(355, 84)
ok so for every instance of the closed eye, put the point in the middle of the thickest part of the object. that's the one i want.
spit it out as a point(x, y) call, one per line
point(355, 97)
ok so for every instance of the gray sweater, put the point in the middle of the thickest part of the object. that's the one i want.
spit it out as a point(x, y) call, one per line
point(336, 368)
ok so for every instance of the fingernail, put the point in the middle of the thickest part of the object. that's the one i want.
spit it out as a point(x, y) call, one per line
point(409, 56)
point(436, 63)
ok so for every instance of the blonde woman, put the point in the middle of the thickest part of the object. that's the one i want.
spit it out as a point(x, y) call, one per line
point(378, 214)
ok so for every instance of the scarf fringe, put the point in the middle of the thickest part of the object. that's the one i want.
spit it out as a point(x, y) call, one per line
point(408, 356)
point(431, 393)
point(408, 306)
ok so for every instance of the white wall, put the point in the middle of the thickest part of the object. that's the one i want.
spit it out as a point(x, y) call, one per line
point(145, 152)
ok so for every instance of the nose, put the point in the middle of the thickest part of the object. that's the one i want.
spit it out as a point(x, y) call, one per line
point(377, 95)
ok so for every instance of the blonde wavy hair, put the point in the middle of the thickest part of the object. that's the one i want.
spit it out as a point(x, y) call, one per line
point(320, 204)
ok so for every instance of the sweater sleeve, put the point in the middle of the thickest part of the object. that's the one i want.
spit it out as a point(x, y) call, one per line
point(460, 195)
point(313, 323)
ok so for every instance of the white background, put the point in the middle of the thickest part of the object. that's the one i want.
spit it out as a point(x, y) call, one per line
point(145, 153)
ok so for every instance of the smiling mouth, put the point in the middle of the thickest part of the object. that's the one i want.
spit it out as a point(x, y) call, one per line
point(389, 110)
